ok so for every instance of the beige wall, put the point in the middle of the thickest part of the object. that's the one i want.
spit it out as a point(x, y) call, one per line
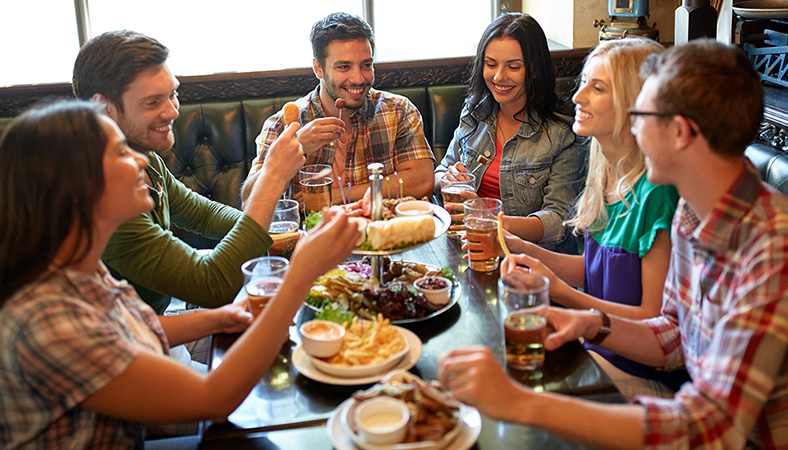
point(571, 22)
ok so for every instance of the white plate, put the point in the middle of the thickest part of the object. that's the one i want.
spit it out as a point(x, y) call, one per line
point(303, 364)
point(470, 423)
point(366, 369)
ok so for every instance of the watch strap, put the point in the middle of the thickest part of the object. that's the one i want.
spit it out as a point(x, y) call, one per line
point(604, 330)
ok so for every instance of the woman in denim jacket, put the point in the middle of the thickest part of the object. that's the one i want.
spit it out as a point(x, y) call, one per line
point(516, 135)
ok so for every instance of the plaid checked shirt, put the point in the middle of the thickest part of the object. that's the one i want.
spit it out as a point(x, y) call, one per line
point(64, 337)
point(725, 316)
point(388, 129)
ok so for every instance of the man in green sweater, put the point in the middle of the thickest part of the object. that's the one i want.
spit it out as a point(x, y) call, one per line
point(127, 71)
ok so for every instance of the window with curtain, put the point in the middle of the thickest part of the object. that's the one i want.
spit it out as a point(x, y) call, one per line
point(209, 36)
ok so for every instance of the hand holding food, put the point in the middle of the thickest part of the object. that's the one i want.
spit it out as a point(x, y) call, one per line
point(317, 133)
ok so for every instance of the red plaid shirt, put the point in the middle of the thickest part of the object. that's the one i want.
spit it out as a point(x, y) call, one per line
point(388, 129)
point(725, 317)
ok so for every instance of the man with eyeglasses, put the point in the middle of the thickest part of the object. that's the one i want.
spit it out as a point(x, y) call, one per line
point(347, 124)
point(725, 304)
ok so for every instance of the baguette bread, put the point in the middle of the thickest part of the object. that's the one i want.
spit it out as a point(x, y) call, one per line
point(388, 234)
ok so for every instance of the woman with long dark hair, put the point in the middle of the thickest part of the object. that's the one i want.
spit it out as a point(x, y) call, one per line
point(515, 134)
point(84, 359)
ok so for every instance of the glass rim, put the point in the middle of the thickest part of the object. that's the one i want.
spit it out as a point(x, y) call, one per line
point(504, 283)
point(285, 263)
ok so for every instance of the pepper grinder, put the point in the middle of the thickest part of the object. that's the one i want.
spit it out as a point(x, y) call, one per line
point(695, 19)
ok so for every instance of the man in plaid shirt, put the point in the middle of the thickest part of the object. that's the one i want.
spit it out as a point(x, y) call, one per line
point(725, 306)
point(373, 126)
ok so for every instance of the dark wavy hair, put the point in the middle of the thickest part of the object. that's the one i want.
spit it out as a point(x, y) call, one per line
point(338, 26)
point(110, 62)
point(542, 102)
point(51, 161)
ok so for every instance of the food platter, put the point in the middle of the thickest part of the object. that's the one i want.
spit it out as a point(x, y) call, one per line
point(342, 434)
point(303, 363)
point(456, 292)
point(442, 220)
point(761, 9)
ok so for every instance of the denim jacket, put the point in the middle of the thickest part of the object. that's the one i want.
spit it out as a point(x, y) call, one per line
point(542, 173)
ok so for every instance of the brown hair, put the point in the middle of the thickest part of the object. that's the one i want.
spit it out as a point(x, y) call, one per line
point(714, 85)
point(110, 62)
point(51, 158)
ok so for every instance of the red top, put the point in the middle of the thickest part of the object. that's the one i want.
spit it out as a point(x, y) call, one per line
point(490, 186)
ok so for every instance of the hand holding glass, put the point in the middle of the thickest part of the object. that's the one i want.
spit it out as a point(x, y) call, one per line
point(522, 304)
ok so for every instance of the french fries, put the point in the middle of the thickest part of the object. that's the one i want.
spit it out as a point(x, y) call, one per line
point(366, 343)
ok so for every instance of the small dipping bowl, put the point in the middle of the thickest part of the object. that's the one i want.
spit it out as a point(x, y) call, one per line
point(322, 338)
point(436, 289)
point(382, 420)
point(414, 208)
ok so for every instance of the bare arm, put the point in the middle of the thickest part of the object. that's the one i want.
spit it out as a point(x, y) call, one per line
point(196, 325)
point(569, 268)
point(476, 378)
point(557, 267)
point(175, 393)
point(416, 176)
point(529, 228)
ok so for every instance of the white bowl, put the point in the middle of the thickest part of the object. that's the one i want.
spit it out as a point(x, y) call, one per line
point(322, 338)
point(414, 208)
point(438, 296)
point(382, 420)
point(364, 370)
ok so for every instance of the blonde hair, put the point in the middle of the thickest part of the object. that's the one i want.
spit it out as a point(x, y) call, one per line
point(622, 59)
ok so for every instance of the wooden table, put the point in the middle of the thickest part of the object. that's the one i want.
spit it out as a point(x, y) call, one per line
point(287, 408)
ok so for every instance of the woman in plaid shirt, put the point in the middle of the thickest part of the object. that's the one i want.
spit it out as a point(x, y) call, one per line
point(84, 360)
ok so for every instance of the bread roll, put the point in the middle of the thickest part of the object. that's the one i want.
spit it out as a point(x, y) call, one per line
point(361, 223)
point(388, 234)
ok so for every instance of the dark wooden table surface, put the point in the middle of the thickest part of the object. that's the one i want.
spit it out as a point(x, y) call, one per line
point(288, 410)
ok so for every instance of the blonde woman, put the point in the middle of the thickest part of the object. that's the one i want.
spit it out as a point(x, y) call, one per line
point(624, 218)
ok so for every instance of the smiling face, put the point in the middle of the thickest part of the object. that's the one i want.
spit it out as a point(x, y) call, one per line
point(348, 72)
point(125, 192)
point(504, 72)
point(654, 138)
point(150, 105)
point(595, 113)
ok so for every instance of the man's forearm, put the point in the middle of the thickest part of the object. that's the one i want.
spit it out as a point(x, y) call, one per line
point(246, 189)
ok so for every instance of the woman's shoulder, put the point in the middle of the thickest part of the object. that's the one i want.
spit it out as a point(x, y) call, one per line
point(644, 189)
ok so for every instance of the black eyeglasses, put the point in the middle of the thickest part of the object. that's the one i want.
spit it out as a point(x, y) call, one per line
point(636, 117)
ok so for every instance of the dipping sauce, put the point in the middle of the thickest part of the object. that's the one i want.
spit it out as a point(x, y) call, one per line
point(322, 331)
point(432, 283)
point(381, 422)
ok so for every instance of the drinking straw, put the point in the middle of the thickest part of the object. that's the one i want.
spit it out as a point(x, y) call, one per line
point(396, 182)
point(400, 189)
point(348, 191)
point(388, 188)
point(339, 181)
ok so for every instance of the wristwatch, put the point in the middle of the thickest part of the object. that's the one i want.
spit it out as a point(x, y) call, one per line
point(604, 330)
